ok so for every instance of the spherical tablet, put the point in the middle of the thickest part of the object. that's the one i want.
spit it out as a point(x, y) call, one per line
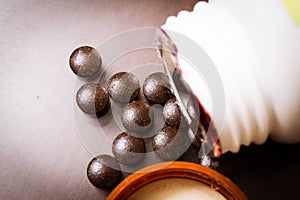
point(136, 116)
point(92, 98)
point(123, 87)
point(172, 113)
point(168, 143)
point(85, 61)
point(157, 88)
point(197, 137)
point(128, 149)
point(103, 171)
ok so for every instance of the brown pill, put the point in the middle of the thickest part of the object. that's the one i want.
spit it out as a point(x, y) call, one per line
point(128, 149)
point(196, 137)
point(103, 171)
point(137, 116)
point(157, 88)
point(172, 113)
point(168, 143)
point(85, 61)
point(92, 98)
point(123, 87)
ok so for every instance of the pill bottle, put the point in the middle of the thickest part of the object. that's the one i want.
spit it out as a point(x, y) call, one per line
point(255, 51)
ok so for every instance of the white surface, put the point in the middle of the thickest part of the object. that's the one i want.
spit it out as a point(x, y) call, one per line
point(37, 84)
point(37, 132)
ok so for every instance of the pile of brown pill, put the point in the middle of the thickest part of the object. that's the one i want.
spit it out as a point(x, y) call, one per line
point(124, 88)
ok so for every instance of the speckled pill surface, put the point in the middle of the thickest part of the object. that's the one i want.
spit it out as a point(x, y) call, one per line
point(85, 61)
point(128, 149)
point(168, 143)
point(92, 98)
point(137, 116)
point(123, 87)
point(172, 113)
point(156, 88)
point(103, 171)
